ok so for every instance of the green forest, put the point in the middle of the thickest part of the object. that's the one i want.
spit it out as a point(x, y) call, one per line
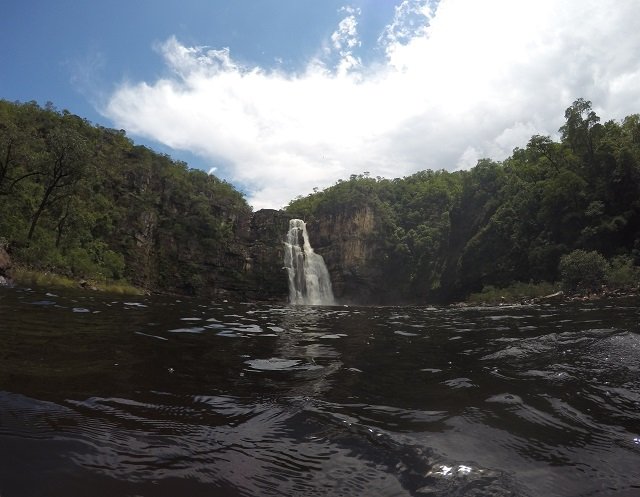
point(554, 211)
point(84, 201)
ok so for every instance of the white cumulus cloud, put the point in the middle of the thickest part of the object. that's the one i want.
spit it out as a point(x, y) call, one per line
point(459, 80)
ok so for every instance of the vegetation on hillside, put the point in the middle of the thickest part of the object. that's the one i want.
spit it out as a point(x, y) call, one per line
point(445, 235)
point(84, 201)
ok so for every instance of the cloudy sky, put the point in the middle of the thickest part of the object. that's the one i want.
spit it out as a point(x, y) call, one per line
point(281, 96)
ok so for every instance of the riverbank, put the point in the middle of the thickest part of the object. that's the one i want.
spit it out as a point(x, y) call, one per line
point(15, 274)
point(527, 294)
point(28, 277)
point(514, 294)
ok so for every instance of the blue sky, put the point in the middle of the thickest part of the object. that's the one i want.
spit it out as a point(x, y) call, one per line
point(74, 53)
point(50, 45)
point(281, 96)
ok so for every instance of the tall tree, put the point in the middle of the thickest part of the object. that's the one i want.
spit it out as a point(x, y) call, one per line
point(62, 165)
point(581, 129)
point(15, 142)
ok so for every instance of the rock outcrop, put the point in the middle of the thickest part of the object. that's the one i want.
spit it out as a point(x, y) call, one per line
point(5, 266)
point(347, 241)
point(266, 276)
point(245, 261)
point(249, 262)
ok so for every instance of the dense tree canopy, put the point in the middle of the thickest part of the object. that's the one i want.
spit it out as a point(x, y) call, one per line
point(447, 234)
point(84, 200)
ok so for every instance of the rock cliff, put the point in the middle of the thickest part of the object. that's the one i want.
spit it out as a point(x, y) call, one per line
point(245, 263)
point(266, 276)
point(347, 241)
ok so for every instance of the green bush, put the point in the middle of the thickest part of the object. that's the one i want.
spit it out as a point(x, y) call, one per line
point(581, 270)
point(621, 273)
point(81, 263)
point(113, 264)
point(40, 254)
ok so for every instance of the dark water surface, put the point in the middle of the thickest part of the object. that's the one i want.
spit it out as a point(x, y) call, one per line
point(109, 396)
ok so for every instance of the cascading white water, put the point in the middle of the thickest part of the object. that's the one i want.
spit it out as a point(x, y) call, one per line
point(309, 281)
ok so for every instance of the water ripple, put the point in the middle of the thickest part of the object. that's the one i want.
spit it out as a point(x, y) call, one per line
point(158, 396)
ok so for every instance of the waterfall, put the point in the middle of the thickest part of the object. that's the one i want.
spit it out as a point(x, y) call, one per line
point(309, 281)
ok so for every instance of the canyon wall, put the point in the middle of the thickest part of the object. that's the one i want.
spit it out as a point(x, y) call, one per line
point(348, 243)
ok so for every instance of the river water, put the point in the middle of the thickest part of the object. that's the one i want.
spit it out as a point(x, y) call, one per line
point(111, 396)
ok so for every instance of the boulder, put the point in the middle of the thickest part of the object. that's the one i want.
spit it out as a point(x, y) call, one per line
point(5, 261)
